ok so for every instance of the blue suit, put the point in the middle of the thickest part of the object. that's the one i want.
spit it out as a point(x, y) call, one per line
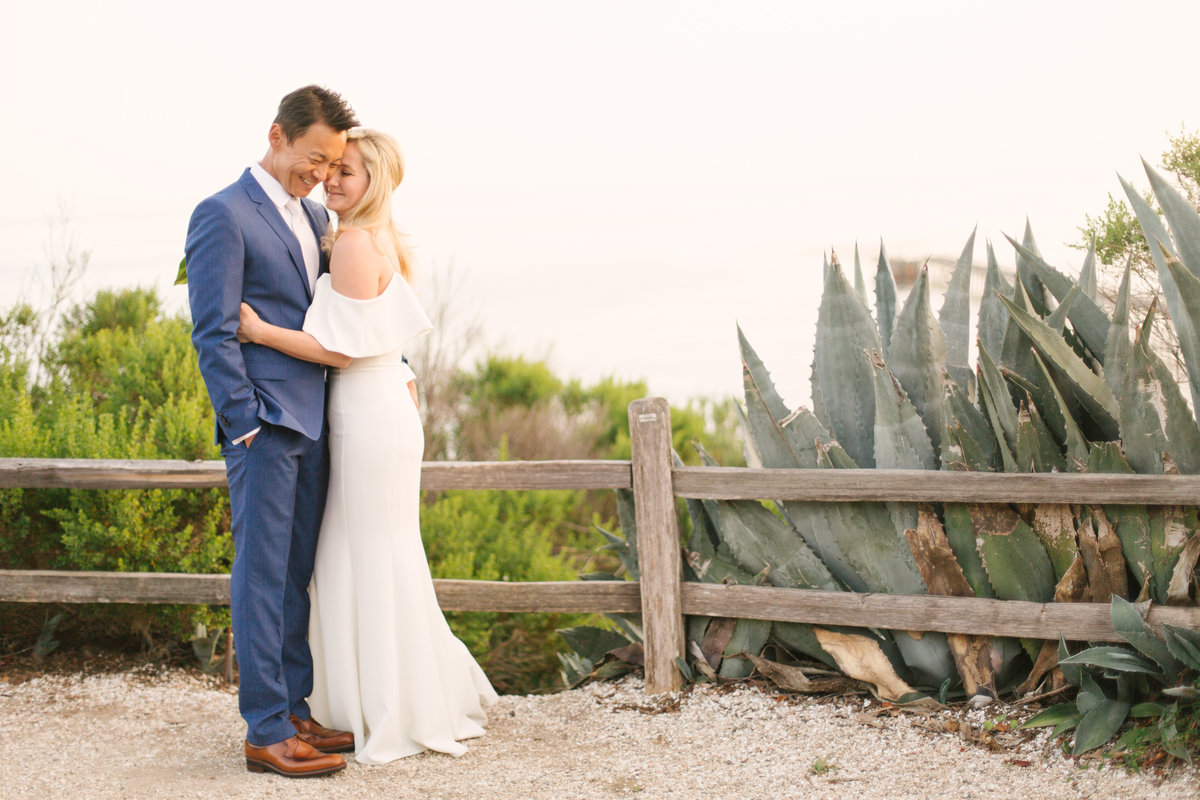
point(240, 249)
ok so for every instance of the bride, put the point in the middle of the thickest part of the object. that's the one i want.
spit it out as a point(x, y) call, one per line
point(387, 666)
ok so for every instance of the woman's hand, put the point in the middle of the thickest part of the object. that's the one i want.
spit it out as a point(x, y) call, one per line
point(412, 389)
point(248, 329)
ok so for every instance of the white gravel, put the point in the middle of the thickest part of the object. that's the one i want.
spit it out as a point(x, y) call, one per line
point(152, 733)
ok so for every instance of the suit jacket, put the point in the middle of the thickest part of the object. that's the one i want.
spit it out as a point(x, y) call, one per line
point(240, 249)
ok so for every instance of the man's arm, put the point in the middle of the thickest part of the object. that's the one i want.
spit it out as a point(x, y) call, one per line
point(216, 266)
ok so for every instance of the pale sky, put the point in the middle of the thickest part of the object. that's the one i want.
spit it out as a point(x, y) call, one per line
point(615, 183)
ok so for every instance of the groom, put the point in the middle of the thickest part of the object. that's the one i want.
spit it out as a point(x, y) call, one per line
point(258, 241)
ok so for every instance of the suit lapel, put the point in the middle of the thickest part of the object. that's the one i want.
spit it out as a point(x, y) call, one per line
point(271, 215)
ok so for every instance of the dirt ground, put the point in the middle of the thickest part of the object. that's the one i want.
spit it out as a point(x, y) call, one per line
point(148, 731)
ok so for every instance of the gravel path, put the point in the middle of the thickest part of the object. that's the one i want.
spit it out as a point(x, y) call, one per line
point(157, 733)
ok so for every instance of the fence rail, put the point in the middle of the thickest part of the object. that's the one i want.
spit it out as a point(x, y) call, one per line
point(660, 596)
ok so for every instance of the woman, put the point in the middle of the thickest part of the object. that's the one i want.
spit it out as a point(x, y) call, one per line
point(386, 665)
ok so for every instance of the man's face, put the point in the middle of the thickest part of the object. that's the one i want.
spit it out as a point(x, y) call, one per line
point(299, 165)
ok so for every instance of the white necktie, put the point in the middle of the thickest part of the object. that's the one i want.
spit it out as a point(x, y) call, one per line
point(306, 237)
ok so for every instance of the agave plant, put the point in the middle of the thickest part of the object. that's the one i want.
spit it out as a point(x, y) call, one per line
point(1059, 384)
point(1163, 667)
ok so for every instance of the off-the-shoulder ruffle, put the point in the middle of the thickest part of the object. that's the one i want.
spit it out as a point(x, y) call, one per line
point(362, 328)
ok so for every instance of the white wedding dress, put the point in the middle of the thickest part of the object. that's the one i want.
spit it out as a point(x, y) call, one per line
point(387, 666)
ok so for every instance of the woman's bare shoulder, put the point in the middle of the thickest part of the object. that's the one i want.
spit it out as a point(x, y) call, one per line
point(357, 264)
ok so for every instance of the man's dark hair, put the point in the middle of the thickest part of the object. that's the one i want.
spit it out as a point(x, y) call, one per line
point(305, 107)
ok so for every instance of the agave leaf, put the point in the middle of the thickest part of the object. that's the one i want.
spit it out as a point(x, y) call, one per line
point(960, 534)
point(1117, 346)
point(823, 526)
point(860, 286)
point(591, 644)
point(1132, 523)
point(798, 638)
point(1147, 710)
point(749, 636)
point(1054, 526)
point(882, 562)
point(1187, 287)
point(845, 332)
point(760, 540)
point(967, 439)
point(1099, 725)
point(1142, 435)
point(993, 319)
point(776, 445)
point(749, 449)
point(1058, 416)
point(1071, 672)
point(1155, 419)
point(1054, 715)
point(1057, 319)
point(918, 357)
point(885, 300)
point(1015, 353)
point(1155, 231)
point(1117, 659)
point(1129, 626)
point(1036, 449)
point(1016, 562)
point(1088, 283)
point(1181, 216)
point(993, 391)
point(1087, 318)
point(1026, 273)
point(1168, 537)
point(1184, 644)
point(955, 317)
point(1089, 388)
point(901, 439)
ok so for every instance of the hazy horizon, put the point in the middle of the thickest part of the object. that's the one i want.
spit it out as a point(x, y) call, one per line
point(614, 185)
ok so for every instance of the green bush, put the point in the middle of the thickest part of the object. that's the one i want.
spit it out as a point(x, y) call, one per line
point(506, 536)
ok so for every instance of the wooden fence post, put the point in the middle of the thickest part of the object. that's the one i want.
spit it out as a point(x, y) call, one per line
point(659, 562)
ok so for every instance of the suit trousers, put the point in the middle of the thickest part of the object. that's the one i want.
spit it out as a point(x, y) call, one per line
point(277, 497)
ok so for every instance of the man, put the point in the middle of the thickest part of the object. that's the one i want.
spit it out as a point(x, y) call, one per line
point(258, 241)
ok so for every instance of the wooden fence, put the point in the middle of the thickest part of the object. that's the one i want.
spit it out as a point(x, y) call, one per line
point(660, 596)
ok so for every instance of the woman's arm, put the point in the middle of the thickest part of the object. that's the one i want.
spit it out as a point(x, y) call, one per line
point(296, 344)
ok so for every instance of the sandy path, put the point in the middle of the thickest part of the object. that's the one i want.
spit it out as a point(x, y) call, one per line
point(152, 733)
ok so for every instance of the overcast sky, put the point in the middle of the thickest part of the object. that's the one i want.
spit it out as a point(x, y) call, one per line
point(614, 182)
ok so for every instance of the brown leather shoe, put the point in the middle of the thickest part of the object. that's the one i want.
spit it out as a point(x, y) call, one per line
point(327, 740)
point(292, 758)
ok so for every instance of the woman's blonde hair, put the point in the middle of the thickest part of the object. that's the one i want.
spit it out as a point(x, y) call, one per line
point(384, 164)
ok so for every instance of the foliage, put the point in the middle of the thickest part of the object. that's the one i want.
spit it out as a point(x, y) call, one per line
point(1059, 385)
point(504, 536)
point(118, 379)
point(1156, 679)
point(119, 382)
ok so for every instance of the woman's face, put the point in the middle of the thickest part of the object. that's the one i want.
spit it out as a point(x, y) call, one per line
point(345, 187)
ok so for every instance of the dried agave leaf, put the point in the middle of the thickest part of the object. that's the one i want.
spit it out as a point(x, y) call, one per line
point(792, 679)
point(863, 660)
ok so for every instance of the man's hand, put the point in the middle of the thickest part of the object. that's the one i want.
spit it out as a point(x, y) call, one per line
point(249, 439)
